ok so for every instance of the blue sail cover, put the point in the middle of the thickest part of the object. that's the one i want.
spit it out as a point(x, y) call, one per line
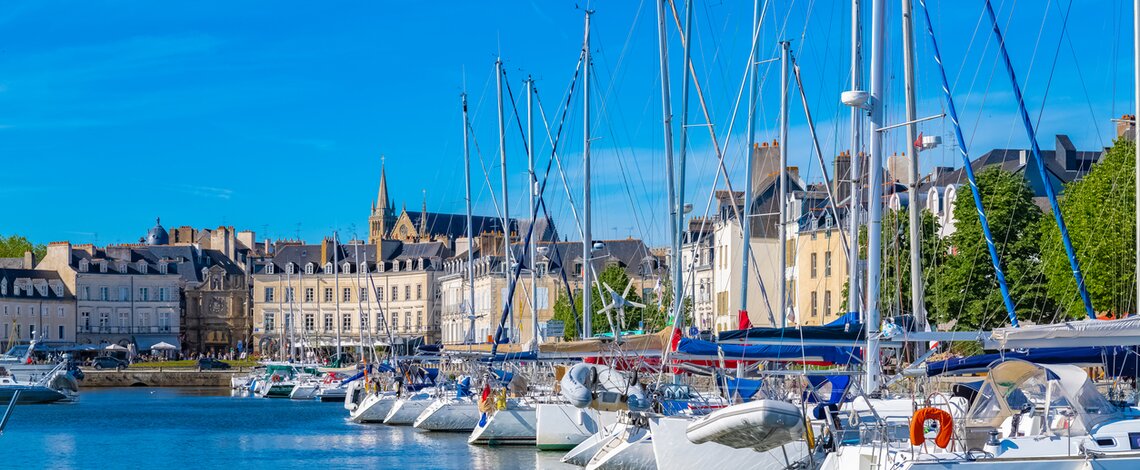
point(746, 388)
point(829, 354)
point(515, 356)
point(838, 333)
point(1117, 361)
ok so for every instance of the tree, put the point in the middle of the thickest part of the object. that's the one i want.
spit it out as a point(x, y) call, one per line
point(658, 312)
point(14, 246)
point(1099, 212)
point(613, 275)
point(894, 282)
point(967, 288)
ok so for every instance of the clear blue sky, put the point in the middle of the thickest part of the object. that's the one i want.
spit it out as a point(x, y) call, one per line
point(273, 115)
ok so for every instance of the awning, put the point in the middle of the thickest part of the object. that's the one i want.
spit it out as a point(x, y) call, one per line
point(145, 343)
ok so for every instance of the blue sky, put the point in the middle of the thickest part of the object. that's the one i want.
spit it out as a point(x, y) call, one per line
point(273, 116)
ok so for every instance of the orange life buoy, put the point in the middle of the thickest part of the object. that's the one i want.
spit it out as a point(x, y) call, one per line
point(918, 426)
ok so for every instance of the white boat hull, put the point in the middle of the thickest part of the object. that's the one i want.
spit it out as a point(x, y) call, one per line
point(406, 410)
point(631, 448)
point(449, 414)
point(582, 453)
point(760, 424)
point(674, 451)
point(373, 408)
point(561, 426)
point(304, 392)
point(515, 425)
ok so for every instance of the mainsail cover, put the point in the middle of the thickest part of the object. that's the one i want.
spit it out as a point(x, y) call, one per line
point(695, 348)
point(1122, 332)
point(1117, 361)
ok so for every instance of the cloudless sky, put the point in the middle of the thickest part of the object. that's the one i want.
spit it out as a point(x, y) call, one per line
point(273, 116)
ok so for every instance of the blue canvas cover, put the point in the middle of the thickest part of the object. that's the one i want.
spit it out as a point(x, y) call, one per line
point(828, 354)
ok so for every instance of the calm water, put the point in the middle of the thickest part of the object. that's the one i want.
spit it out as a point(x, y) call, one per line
point(157, 428)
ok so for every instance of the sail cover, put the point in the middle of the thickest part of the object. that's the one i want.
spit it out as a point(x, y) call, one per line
point(695, 348)
point(1122, 332)
point(1117, 361)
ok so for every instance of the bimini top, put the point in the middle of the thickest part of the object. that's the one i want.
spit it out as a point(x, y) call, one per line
point(1062, 391)
point(1122, 332)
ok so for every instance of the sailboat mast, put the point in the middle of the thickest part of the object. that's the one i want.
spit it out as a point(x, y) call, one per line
point(678, 314)
point(782, 190)
point(875, 196)
point(469, 336)
point(918, 308)
point(1136, 140)
point(667, 123)
point(533, 207)
point(746, 218)
point(587, 242)
point(854, 155)
point(503, 166)
point(336, 293)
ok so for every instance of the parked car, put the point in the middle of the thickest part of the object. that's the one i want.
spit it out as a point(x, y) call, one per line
point(108, 362)
point(212, 364)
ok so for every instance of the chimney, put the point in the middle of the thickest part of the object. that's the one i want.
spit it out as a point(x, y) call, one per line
point(1066, 153)
point(842, 178)
point(326, 249)
point(29, 260)
point(1022, 157)
point(1126, 127)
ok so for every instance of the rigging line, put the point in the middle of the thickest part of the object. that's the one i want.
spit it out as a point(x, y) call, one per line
point(625, 178)
point(1056, 54)
point(1084, 87)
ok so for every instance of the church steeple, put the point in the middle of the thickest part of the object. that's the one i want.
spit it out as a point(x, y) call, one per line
point(383, 213)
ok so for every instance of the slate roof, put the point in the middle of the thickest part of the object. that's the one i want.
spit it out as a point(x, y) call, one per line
point(1062, 165)
point(184, 260)
point(392, 250)
point(9, 276)
point(455, 225)
point(632, 254)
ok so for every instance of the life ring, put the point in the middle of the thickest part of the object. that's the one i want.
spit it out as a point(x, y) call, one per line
point(918, 426)
point(275, 378)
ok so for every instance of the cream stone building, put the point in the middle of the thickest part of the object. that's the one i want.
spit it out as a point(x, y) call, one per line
point(319, 296)
point(821, 268)
point(35, 304)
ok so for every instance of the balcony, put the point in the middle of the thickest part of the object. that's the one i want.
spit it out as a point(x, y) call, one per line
point(126, 330)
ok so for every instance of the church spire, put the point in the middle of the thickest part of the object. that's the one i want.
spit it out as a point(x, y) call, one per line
point(382, 195)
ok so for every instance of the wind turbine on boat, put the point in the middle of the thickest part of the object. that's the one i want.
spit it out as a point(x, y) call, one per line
point(619, 302)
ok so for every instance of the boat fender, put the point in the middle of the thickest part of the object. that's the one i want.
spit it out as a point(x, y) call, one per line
point(918, 426)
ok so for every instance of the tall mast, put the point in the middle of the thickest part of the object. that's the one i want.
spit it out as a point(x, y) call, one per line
point(782, 193)
point(291, 321)
point(875, 192)
point(336, 293)
point(853, 298)
point(503, 164)
point(667, 123)
point(587, 242)
point(469, 337)
point(746, 218)
point(918, 307)
point(680, 208)
point(1136, 140)
point(533, 207)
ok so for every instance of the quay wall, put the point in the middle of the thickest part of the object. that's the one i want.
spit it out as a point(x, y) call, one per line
point(158, 378)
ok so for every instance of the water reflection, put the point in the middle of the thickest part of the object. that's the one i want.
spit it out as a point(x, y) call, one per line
point(208, 428)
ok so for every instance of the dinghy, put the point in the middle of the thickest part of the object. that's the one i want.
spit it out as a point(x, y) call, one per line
point(761, 425)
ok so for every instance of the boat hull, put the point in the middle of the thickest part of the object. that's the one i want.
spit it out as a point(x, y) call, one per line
point(561, 426)
point(30, 395)
point(373, 408)
point(630, 448)
point(453, 414)
point(406, 410)
point(674, 451)
point(512, 426)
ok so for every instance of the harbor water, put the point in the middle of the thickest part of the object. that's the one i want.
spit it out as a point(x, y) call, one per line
point(157, 428)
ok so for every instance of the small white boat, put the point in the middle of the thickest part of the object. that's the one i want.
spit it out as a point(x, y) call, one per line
point(582, 453)
point(761, 425)
point(405, 411)
point(629, 448)
point(514, 424)
point(373, 406)
point(562, 426)
point(306, 390)
point(450, 414)
point(674, 451)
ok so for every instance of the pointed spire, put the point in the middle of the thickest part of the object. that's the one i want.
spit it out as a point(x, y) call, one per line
point(382, 194)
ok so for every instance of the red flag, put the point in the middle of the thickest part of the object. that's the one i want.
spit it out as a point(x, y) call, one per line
point(743, 321)
point(486, 392)
point(918, 141)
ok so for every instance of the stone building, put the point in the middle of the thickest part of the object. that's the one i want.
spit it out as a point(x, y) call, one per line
point(35, 304)
point(319, 296)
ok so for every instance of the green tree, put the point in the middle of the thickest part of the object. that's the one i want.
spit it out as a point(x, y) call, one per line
point(1099, 212)
point(657, 311)
point(615, 277)
point(967, 288)
point(894, 284)
point(14, 246)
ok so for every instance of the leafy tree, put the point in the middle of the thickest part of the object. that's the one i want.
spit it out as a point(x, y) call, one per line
point(614, 276)
point(657, 311)
point(14, 246)
point(894, 284)
point(1099, 212)
point(967, 288)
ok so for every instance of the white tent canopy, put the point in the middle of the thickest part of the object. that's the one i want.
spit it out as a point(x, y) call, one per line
point(1122, 332)
point(115, 347)
point(163, 346)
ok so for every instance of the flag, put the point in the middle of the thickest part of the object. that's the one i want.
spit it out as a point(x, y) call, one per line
point(918, 141)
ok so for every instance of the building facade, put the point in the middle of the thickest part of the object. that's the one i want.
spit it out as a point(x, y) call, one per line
point(35, 304)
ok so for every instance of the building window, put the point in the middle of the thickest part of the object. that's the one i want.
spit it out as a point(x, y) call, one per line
point(328, 268)
point(827, 263)
point(61, 332)
point(85, 293)
point(59, 310)
point(827, 303)
point(310, 322)
point(309, 268)
point(288, 294)
point(407, 320)
point(268, 294)
point(419, 319)
point(269, 268)
point(814, 304)
point(328, 322)
point(379, 294)
point(363, 294)
point(31, 331)
point(395, 293)
point(813, 263)
point(104, 294)
point(162, 297)
point(144, 294)
point(308, 294)
point(408, 292)
point(269, 324)
point(328, 294)
point(164, 321)
point(124, 294)
point(123, 320)
point(364, 322)
point(419, 291)
point(84, 265)
point(346, 322)
point(290, 268)
point(346, 296)
point(395, 322)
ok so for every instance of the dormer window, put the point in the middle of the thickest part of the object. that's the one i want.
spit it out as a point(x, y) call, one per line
point(4, 286)
point(347, 268)
point(57, 288)
point(290, 268)
point(363, 268)
point(540, 268)
point(396, 265)
point(102, 266)
point(84, 265)
point(142, 267)
point(328, 268)
point(163, 267)
point(42, 288)
point(309, 268)
point(381, 266)
point(269, 268)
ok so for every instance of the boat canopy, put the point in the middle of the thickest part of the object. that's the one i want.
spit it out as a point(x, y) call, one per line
point(695, 348)
point(1118, 361)
point(1122, 332)
point(744, 388)
point(1063, 390)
